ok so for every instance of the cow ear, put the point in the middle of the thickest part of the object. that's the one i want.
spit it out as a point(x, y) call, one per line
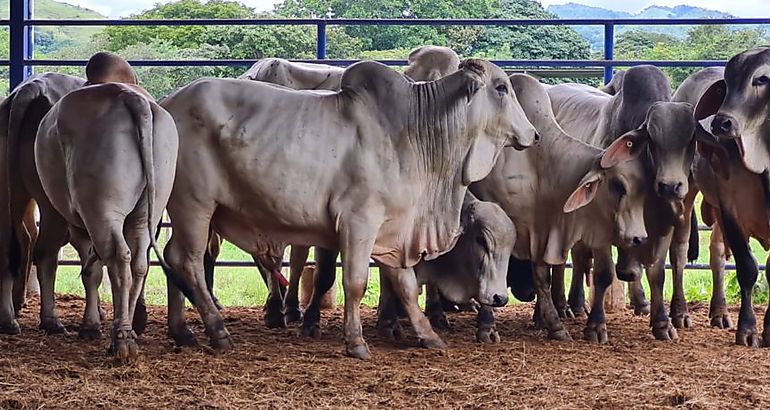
point(710, 148)
point(711, 100)
point(473, 72)
point(626, 148)
point(585, 192)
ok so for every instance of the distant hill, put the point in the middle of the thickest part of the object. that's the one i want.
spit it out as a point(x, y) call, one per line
point(595, 35)
point(48, 39)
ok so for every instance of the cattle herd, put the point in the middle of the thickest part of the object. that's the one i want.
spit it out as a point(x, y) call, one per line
point(451, 175)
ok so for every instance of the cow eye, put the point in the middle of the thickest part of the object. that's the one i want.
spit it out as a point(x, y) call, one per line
point(502, 89)
point(762, 80)
point(617, 188)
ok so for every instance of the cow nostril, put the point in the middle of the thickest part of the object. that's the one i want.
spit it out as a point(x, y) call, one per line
point(726, 125)
point(537, 137)
point(500, 300)
point(638, 240)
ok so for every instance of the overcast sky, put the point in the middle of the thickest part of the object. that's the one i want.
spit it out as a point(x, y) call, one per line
point(741, 8)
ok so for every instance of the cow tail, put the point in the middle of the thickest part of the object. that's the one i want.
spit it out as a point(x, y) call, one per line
point(141, 113)
point(18, 104)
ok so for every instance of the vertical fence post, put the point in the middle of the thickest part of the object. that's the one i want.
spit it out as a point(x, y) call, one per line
point(609, 50)
point(320, 45)
point(19, 39)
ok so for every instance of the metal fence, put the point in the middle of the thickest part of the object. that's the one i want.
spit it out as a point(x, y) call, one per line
point(21, 61)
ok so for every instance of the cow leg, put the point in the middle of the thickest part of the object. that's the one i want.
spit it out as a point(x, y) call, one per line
point(184, 254)
point(746, 267)
point(8, 323)
point(323, 280)
point(546, 311)
point(139, 244)
point(273, 310)
point(603, 275)
point(91, 275)
point(766, 323)
point(659, 321)
point(638, 299)
point(434, 308)
point(356, 244)
point(297, 259)
point(581, 268)
point(486, 332)
point(387, 311)
point(680, 317)
point(718, 313)
point(27, 235)
point(678, 254)
point(53, 235)
point(404, 282)
point(558, 293)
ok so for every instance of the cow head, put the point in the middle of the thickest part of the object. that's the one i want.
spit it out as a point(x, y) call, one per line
point(741, 103)
point(667, 133)
point(617, 186)
point(494, 114)
point(106, 67)
point(479, 260)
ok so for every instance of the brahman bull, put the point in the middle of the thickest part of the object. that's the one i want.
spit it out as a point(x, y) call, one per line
point(642, 114)
point(739, 103)
point(110, 177)
point(20, 115)
point(564, 191)
point(379, 168)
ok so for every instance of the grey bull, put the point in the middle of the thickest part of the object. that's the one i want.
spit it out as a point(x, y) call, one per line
point(385, 175)
point(564, 191)
point(110, 178)
point(740, 194)
point(642, 114)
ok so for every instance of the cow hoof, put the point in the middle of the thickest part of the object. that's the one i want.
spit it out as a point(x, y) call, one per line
point(292, 315)
point(124, 347)
point(139, 324)
point(358, 351)
point(10, 328)
point(102, 314)
point(565, 312)
point(561, 335)
point(310, 331)
point(682, 322)
point(52, 326)
point(436, 343)
point(185, 337)
point(642, 310)
point(664, 331)
point(392, 331)
point(579, 312)
point(596, 333)
point(89, 334)
point(766, 337)
point(721, 321)
point(439, 321)
point(274, 320)
point(487, 335)
point(222, 344)
point(747, 337)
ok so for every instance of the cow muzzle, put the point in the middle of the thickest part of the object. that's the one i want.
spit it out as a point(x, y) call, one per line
point(670, 190)
point(725, 126)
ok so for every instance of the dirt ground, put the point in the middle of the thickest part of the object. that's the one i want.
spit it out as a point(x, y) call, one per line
point(276, 369)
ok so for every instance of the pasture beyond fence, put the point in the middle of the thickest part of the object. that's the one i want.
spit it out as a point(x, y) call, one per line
point(21, 62)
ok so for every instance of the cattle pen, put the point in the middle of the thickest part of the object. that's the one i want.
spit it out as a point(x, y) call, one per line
point(274, 368)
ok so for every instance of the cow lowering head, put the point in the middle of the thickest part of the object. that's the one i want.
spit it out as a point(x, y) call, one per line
point(741, 103)
point(106, 67)
point(477, 266)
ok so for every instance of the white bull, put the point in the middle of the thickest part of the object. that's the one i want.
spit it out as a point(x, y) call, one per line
point(379, 168)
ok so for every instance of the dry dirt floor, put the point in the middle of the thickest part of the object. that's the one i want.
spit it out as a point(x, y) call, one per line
point(277, 369)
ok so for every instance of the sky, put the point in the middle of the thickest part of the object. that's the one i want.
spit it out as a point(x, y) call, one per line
point(740, 8)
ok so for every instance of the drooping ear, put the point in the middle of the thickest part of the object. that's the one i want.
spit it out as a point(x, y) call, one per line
point(709, 147)
point(585, 192)
point(479, 161)
point(626, 148)
point(473, 70)
point(711, 100)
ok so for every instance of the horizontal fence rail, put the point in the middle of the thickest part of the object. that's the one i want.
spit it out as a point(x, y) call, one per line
point(21, 59)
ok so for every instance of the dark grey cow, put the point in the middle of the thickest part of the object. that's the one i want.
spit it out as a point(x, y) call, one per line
point(642, 113)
